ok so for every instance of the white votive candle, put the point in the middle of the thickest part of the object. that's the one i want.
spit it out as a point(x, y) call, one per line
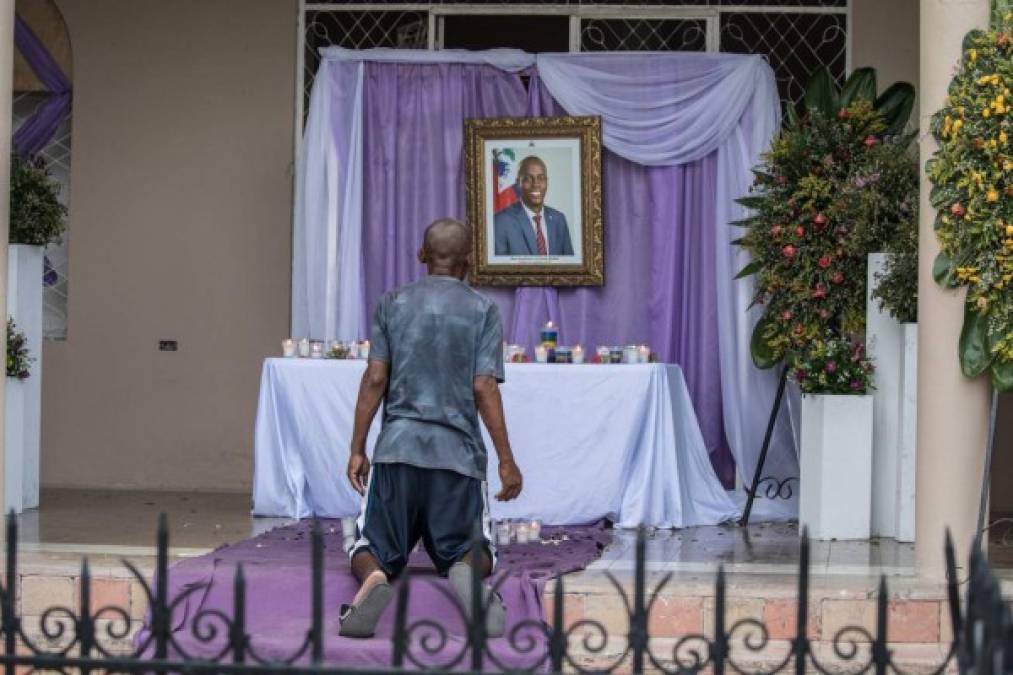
point(353, 350)
point(503, 533)
point(288, 348)
point(535, 530)
point(645, 353)
point(304, 347)
point(541, 354)
point(364, 349)
point(316, 350)
point(577, 355)
point(523, 531)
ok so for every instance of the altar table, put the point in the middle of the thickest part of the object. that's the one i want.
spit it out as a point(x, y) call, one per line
point(620, 442)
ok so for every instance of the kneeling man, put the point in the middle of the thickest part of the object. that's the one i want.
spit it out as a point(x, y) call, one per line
point(436, 360)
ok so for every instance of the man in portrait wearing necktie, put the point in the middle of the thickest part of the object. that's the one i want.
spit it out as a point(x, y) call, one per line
point(529, 227)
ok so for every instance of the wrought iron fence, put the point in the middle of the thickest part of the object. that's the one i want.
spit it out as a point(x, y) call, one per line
point(982, 630)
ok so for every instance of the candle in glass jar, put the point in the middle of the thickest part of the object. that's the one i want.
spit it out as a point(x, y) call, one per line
point(577, 355)
point(304, 347)
point(645, 353)
point(604, 354)
point(353, 350)
point(503, 533)
point(364, 349)
point(541, 354)
point(522, 532)
point(535, 530)
point(550, 335)
point(288, 348)
point(316, 350)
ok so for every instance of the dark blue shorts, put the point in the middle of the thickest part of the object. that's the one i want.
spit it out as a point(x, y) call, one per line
point(406, 503)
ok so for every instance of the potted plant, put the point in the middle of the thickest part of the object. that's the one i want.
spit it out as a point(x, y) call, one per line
point(835, 457)
point(37, 219)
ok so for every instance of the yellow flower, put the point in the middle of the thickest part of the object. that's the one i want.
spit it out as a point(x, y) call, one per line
point(1007, 165)
point(986, 113)
point(982, 303)
point(973, 55)
point(992, 195)
point(1003, 138)
point(1009, 230)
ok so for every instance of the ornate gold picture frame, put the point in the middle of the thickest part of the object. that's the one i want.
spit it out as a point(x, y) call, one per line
point(534, 201)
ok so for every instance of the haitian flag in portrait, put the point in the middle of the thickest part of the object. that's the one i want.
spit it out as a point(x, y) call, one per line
point(504, 179)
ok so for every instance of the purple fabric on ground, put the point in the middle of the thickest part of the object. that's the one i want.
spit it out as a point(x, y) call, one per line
point(278, 603)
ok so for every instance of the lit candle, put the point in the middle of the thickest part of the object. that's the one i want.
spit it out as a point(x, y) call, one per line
point(578, 354)
point(522, 532)
point(364, 349)
point(288, 348)
point(645, 353)
point(535, 530)
point(316, 350)
point(353, 350)
point(541, 354)
point(304, 347)
point(631, 355)
point(550, 335)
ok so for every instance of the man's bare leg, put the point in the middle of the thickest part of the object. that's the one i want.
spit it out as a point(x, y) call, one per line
point(367, 570)
point(359, 619)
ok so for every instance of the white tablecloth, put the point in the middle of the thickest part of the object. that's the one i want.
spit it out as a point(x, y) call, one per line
point(616, 441)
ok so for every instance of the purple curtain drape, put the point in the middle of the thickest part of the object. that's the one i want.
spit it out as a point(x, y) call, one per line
point(36, 132)
point(659, 238)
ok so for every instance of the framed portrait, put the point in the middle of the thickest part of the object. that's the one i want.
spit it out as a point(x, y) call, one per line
point(534, 201)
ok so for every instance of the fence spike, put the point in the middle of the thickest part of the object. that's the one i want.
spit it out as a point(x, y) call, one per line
point(317, 591)
point(558, 641)
point(880, 651)
point(237, 633)
point(401, 620)
point(720, 649)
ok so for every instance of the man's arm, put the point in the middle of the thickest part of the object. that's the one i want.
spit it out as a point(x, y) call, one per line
point(371, 393)
point(490, 407)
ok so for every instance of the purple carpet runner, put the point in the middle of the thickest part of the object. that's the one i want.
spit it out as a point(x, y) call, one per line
point(277, 570)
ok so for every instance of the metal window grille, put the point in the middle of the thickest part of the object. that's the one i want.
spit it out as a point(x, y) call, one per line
point(56, 281)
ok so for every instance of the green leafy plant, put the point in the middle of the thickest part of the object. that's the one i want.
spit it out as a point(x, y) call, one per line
point(831, 189)
point(18, 359)
point(897, 285)
point(972, 190)
point(832, 365)
point(37, 216)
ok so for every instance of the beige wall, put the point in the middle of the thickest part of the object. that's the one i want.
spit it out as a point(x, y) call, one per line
point(884, 35)
point(182, 149)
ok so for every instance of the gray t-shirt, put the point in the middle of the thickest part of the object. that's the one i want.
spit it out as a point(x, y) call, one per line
point(437, 335)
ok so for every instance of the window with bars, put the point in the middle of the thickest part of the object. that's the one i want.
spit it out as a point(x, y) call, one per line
point(795, 36)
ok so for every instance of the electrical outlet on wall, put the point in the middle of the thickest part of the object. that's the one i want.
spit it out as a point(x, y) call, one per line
point(168, 346)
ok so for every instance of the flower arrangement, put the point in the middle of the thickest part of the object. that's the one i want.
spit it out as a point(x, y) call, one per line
point(37, 216)
point(972, 190)
point(897, 285)
point(832, 365)
point(18, 359)
point(831, 189)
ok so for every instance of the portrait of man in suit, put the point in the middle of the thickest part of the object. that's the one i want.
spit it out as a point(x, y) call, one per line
point(529, 227)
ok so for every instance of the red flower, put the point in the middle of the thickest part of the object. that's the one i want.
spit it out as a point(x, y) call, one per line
point(820, 292)
point(843, 114)
point(800, 374)
point(838, 278)
point(787, 315)
point(824, 262)
point(799, 231)
point(957, 210)
point(788, 251)
point(870, 141)
point(820, 220)
point(856, 385)
point(776, 230)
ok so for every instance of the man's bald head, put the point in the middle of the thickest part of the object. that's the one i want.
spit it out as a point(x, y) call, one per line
point(446, 248)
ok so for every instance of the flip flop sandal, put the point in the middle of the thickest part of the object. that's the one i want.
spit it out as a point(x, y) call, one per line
point(495, 613)
point(359, 621)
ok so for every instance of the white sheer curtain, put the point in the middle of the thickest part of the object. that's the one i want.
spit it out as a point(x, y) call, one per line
point(657, 109)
